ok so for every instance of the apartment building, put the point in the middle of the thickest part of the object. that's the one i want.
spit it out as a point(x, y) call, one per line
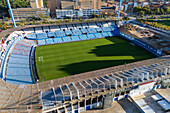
point(72, 5)
point(29, 12)
point(36, 3)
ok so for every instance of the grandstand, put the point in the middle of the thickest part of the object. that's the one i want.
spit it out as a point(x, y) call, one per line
point(21, 92)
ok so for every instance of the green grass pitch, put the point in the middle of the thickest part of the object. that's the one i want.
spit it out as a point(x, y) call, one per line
point(60, 60)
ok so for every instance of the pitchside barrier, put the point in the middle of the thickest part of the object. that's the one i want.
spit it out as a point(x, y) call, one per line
point(140, 43)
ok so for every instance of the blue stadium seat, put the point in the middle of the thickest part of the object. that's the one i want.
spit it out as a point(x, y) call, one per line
point(106, 29)
point(92, 25)
point(98, 35)
point(10, 65)
point(84, 25)
point(51, 34)
point(98, 24)
point(69, 26)
point(75, 38)
point(57, 40)
point(91, 36)
point(41, 42)
point(59, 95)
point(78, 26)
point(110, 33)
point(31, 36)
point(84, 30)
point(22, 47)
point(76, 32)
point(48, 98)
point(42, 35)
point(14, 60)
point(105, 24)
point(60, 33)
point(98, 29)
point(66, 39)
point(18, 56)
point(68, 32)
point(92, 30)
point(17, 71)
point(112, 28)
point(83, 37)
point(105, 34)
point(63, 27)
point(24, 79)
point(49, 41)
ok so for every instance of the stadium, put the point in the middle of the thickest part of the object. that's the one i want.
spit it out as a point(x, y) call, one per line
point(74, 67)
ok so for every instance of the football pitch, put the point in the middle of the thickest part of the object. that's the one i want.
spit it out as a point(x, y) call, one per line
point(61, 60)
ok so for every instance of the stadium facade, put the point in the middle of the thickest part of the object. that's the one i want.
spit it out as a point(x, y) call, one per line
point(21, 92)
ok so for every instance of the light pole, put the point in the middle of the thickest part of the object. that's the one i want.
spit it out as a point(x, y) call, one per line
point(120, 3)
point(11, 14)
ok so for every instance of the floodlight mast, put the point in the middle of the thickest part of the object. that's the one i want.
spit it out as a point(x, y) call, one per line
point(10, 11)
point(120, 4)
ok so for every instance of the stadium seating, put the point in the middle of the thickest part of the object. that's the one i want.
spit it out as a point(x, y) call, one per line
point(63, 27)
point(92, 30)
point(46, 28)
point(18, 68)
point(105, 24)
point(51, 34)
point(85, 25)
point(110, 33)
point(58, 40)
point(98, 35)
point(68, 32)
point(84, 31)
point(48, 98)
point(75, 38)
point(70, 26)
point(76, 32)
point(105, 34)
point(38, 30)
point(41, 42)
point(112, 28)
point(99, 29)
point(49, 41)
point(41, 35)
point(106, 29)
point(60, 33)
point(91, 36)
point(29, 30)
point(83, 37)
point(66, 39)
point(111, 23)
point(31, 36)
point(92, 25)
point(98, 24)
point(78, 26)
point(54, 28)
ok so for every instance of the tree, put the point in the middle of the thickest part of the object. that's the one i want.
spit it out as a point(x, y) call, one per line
point(141, 13)
point(126, 18)
point(27, 19)
point(162, 11)
point(41, 16)
point(6, 19)
point(137, 9)
point(153, 16)
point(157, 11)
point(166, 10)
point(3, 25)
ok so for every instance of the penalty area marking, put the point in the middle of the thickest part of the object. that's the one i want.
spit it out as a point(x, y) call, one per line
point(40, 59)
